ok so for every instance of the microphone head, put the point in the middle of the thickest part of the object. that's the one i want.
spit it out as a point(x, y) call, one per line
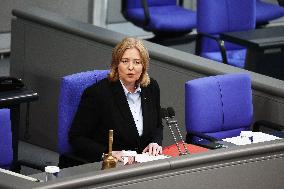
point(171, 112)
point(164, 113)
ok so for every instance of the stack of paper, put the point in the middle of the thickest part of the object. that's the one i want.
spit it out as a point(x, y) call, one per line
point(140, 158)
point(249, 137)
point(145, 157)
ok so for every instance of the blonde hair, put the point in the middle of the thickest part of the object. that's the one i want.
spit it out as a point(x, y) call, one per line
point(117, 53)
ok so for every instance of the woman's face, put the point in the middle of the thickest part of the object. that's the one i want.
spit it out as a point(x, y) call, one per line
point(130, 67)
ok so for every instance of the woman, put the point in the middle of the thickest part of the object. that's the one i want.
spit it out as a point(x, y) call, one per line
point(128, 102)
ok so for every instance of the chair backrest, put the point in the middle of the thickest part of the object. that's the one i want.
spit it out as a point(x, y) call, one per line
point(72, 87)
point(6, 149)
point(215, 17)
point(219, 106)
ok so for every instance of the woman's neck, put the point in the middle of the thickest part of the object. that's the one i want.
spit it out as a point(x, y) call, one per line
point(130, 87)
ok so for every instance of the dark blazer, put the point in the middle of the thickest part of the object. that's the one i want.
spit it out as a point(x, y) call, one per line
point(104, 106)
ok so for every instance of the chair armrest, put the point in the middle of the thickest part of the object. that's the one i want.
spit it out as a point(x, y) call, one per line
point(221, 45)
point(201, 135)
point(256, 126)
point(146, 12)
point(212, 144)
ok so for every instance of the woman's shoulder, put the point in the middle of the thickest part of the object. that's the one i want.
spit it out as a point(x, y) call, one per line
point(102, 83)
point(98, 86)
point(153, 85)
point(153, 82)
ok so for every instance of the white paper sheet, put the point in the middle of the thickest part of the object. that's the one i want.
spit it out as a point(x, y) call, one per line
point(140, 158)
point(249, 137)
point(145, 157)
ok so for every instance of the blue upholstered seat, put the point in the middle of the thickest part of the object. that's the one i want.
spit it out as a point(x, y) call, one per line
point(6, 150)
point(72, 87)
point(215, 17)
point(266, 12)
point(163, 16)
point(218, 106)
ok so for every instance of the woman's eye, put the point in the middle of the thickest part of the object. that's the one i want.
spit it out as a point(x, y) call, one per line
point(137, 62)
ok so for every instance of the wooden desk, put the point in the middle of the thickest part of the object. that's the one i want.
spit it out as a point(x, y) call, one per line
point(265, 49)
point(12, 100)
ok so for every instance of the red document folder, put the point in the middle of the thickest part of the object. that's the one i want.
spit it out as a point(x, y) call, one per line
point(172, 150)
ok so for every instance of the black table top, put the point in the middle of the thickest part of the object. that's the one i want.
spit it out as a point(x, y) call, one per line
point(263, 38)
point(13, 97)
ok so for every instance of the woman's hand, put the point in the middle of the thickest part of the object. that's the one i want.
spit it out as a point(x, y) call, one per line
point(153, 149)
point(119, 156)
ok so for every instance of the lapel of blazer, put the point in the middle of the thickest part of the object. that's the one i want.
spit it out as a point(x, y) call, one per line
point(146, 109)
point(121, 101)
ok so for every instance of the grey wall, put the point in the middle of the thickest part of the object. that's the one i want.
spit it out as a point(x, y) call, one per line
point(114, 12)
point(46, 47)
point(78, 10)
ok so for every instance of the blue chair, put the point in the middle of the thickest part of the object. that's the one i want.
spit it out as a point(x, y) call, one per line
point(215, 17)
point(6, 146)
point(266, 12)
point(219, 107)
point(6, 149)
point(72, 87)
point(164, 17)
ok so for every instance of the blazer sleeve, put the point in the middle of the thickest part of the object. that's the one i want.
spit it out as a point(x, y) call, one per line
point(157, 133)
point(82, 127)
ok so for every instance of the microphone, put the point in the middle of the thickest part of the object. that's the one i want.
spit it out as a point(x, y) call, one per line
point(165, 115)
point(171, 113)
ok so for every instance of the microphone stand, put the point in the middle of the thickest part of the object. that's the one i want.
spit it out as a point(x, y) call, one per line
point(171, 113)
point(165, 116)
